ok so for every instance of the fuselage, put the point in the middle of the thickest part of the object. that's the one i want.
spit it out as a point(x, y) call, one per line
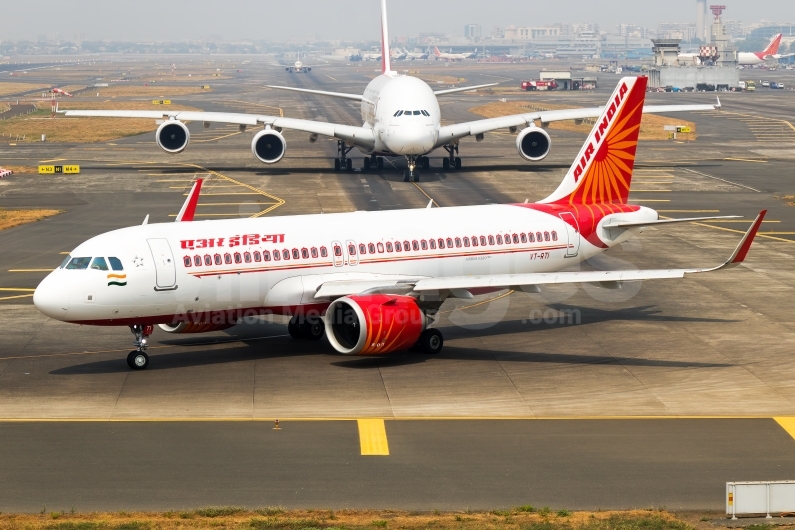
point(404, 114)
point(156, 274)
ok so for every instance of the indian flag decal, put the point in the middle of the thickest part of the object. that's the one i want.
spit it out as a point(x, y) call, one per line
point(119, 280)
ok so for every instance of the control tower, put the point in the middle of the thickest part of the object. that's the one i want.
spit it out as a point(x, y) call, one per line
point(726, 53)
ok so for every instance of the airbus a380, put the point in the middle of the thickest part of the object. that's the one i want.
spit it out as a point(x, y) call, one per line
point(370, 281)
point(401, 118)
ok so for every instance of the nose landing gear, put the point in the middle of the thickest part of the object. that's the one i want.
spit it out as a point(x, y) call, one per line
point(138, 359)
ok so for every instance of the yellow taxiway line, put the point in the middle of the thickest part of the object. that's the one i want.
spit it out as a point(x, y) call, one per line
point(16, 297)
point(372, 437)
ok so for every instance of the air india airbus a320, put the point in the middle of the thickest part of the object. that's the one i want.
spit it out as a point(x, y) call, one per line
point(371, 282)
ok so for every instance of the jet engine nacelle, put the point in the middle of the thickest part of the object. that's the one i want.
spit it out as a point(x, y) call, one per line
point(268, 146)
point(172, 136)
point(533, 144)
point(193, 327)
point(374, 324)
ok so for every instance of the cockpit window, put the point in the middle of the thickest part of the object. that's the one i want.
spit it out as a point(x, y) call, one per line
point(99, 264)
point(417, 113)
point(425, 113)
point(398, 113)
point(407, 112)
point(115, 264)
point(78, 264)
point(67, 260)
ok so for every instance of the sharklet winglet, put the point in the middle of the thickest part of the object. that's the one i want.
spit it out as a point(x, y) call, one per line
point(188, 210)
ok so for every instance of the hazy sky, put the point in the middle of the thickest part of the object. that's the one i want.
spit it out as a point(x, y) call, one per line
point(356, 19)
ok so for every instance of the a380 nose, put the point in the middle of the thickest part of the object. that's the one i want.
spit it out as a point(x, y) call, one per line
point(407, 140)
point(50, 300)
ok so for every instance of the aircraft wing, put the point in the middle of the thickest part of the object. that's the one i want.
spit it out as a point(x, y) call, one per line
point(459, 286)
point(342, 95)
point(450, 133)
point(462, 89)
point(359, 136)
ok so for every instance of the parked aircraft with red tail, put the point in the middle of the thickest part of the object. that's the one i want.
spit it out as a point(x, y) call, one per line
point(371, 282)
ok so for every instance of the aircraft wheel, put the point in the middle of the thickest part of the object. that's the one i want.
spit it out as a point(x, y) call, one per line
point(349, 164)
point(426, 163)
point(457, 163)
point(380, 162)
point(367, 164)
point(137, 360)
point(337, 164)
point(406, 176)
point(294, 329)
point(431, 341)
point(446, 164)
point(313, 329)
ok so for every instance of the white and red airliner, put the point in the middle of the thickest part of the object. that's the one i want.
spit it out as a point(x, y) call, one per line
point(370, 281)
point(401, 118)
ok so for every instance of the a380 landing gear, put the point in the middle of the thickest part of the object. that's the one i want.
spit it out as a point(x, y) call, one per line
point(342, 162)
point(415, 162)
point(373, 162)
point(453, 161)
point(309, 328)
point(138, 359)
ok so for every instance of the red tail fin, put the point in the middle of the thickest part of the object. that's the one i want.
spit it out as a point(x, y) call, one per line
point(602, 173)
point(772, 48)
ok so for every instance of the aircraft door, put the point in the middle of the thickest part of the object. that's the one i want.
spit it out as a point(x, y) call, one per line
point(352, 253)
point(573, 234)
point(164, 264)
point(337, 253)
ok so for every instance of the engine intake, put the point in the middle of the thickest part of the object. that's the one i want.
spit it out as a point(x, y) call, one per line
point(268, 146)
point(172, 137)
point(374, 324)
point(533, 144)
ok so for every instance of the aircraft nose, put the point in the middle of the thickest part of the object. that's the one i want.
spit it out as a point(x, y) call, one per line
point(50, 299)
point(410, 140)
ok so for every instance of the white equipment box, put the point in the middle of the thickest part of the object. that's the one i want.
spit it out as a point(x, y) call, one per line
point(760, 498)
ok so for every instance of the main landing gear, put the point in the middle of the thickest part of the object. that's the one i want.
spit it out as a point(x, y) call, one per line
point(138, 359)
point(342, 162)
point(430, 342)
point(415, 162)
point(373, 162)
point(309, 328)
point(453, 161)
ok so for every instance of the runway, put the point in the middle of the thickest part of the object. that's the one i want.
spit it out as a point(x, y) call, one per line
point(506, 415)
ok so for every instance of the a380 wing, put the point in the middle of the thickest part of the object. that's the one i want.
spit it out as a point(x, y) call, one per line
point(450, 133)
point(359, 136)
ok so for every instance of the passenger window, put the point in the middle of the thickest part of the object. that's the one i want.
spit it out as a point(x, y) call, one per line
point(352, 250)
point(78, 264)
point(406, 246)
point(115, 263)
point(238, 258)
point(415, 245)
point(433, 244)
point(389, 247)
point(474, 241)
point(218, 259)
point(546, 236)
point(362, 249)
point(424, 244)
point(380, 248)
point(187, 261)
point(338, 251)
point(466, 241)
point(266, 255)
point(99, 264)
point(247, 257)
point(483, 241)
point(197, 260)
point(491, 240)
point(228, 258)
point(539, 237)
point(371, 248)
point(515, 238)
point(257, 256)
point(208, 260)
point(449, 242)
point(398, 246)
point(554, 236)
point(524, 238)
point(323, 252)
point(305, 253)
point(286, 254)
point(296, 254)
point(499, 239)
point(314, 252)
point(277, 255)
point(531, 238)
point(458, 242)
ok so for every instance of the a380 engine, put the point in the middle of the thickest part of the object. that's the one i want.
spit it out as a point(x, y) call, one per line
point(374, 324)
point(172, 136)
point(268, 146)
point(533, 143)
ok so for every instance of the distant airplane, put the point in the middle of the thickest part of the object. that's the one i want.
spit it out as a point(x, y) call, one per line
point(299, 67)
point(411, 56)
point(61, 92)
point(454, 56)
point(744, 58)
